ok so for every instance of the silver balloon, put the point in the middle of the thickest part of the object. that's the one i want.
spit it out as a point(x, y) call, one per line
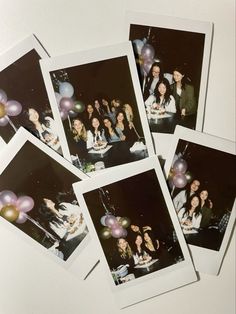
point(148, 52)
point(13, 108)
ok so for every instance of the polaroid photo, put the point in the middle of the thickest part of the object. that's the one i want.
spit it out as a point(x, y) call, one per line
point(37, 202)
point(98, 104)
point(23, 96)
point(131, 218)
point(201, 176)
point(172, 57)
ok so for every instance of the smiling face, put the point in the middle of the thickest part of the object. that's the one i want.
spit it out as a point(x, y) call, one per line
point(156, 71)
point(138, 240)
point(162, 89)
point(195, 202)
point(194, 185)
point(95, 123)
point(146, 237)
point(120, 117)
point(77, 125)
point(122, 244)
point(177, 76)
point(33, 115)
point(107, 123)
point(96, 104)
point(204, 195)
point(90, 109)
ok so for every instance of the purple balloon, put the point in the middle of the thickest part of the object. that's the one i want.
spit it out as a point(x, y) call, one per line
point(179, 180)
point(4, 121)
point(180, 166)
point(21, 218)
point(3, 96)
point(124, 234)
point(64, 114)
point(147, 52)
point(117, 231)
point(13, 108)
point(24, 204)
point(111, 221)
point(8, 197)
point(66, 103)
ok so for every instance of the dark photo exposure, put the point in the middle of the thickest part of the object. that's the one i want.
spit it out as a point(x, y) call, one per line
point(134, 227)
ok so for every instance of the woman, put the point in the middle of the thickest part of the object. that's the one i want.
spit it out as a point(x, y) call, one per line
point(206, 209)
point(152, 245)
point(141, 256)
point(124, 254)
point(161, 99)
point(96, 134)
point(128, 112)
point(42, 128)
point(126, 128)
point(183, 93)
point(89, 113)
point(155, 74)
point(190, 216)
point(112, 134)
point(80, 133)
point(98, 109)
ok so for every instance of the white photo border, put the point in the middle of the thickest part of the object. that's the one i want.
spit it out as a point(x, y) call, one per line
point(82, 260)
point(205, 260)
point(148, 286)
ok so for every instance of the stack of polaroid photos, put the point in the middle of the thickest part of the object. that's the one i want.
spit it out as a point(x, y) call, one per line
point(103, 157)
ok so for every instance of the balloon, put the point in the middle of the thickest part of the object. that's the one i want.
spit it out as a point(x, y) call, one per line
point(9, 212)
point(111, 221)
point(78, 106)
point(24, 204)
point(138, 45)
point(8, 197)
point(72, 114)
point(21, 218)
point(13, 108)
point(58, 97)
point(66, 89)
point(3, 121)
point(2, 110)
point(105, 233)
point(124, 234)
point(117, 232)
point(147, 65)
point(179, 180)
point(3, 96)
point(147, 52)
point(188, 176)
point(102, 220)
point(64, 114)
point(125, 222)
point(170, 183)
point(66, 103)
point(180, 165)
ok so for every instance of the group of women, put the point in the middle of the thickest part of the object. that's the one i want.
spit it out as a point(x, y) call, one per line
point(161, 94)
point(194, 208)
point(103, 123)
point(138, 248)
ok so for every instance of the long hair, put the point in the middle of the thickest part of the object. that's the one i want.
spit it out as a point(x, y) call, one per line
point(149, 78)
point(127, 253)
point(106, 131)
point(182, 70)
point(100, 128)
point(188, 206)
point(83, 133)
point(165, 82)
point(125, 121)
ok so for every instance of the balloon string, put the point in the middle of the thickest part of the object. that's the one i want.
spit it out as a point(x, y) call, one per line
point(172, 191)
point(40, 227)
point(11, 123)
point(69, 121)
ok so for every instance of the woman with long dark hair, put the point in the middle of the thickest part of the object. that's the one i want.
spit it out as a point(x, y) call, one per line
point(112, 133)
point(127, 128)
point(152, 245)
point(96, 134)
point(154, 75)
point(206, 208)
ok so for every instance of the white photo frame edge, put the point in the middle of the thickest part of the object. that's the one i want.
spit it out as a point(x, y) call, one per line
point(198, 253)
point(136, 291)
point(81, 255)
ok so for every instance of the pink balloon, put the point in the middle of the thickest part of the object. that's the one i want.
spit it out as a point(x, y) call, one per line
point(66, 103)
point(13, 108)
point(124, 234)
point(180, 165)
point(3, 96)
point(117, 232)
point(179, 180)
point(64, 114)
point(147, 52)
point(3, 121)
point(111, 221)
point(24, 204)
point(21, 218)
point(8, 197)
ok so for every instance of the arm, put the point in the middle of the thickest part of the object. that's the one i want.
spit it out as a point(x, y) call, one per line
point(171, 105)
point(189, 102)
point(179, 200)
point(89, 142)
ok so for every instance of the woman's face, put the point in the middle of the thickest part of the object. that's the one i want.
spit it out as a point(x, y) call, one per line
point(138, 240)
point(120, 117)
point(156, 71)
point(162, 89)
point(122, 244)
point(90, 109)
point(177, 76)
point(95, 123)
point(146, 237)
point(203, 195)
point(96, 104)
point(33, 115)
point(195, 202)
point(107, 123)
point(77, 124)
point(49, 203)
